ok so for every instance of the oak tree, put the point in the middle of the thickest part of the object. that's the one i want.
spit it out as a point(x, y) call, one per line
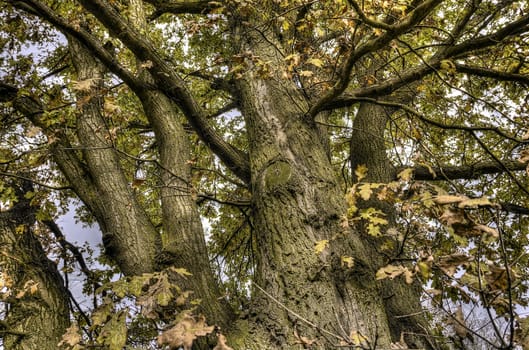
point(360, 165)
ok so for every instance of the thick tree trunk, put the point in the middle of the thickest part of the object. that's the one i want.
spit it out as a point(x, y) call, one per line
point(35, 319)
point(297, 203)
point(402, 301)
point(129, 236)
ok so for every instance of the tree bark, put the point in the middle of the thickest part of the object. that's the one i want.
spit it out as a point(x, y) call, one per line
point(129, 236)
point(401, 301)
point(36, 320)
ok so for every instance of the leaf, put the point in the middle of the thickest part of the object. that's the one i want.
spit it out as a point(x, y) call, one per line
point(459, 324)
point(306, 73)
point(361, 172)
point(320, 246)
point(358, 339)
point(84, 85)
point(524, 156)
point(448, 199)
point(488, 230)
point(110, 106)
point(184, 333)
point(181, 271)
point(424, 269)
point(476, 203)
point(365, 191)
point(390, 271)
point(405, 175)
point(114, 333)
point(71, 337)
point(347, 261)
point(450, 263)
point(315, 62)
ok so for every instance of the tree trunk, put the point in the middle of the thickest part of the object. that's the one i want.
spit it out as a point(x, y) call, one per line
point(128, 234)
point(36, 319)
point(402, 301)
point(297, 203)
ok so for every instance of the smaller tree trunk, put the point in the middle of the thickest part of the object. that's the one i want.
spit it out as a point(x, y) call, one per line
point(35, 319)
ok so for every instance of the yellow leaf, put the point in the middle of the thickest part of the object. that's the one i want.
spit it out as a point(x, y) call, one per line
point(358, 339)
point(424, 269)
point(181, 271)
point(365, 191)
point(406, 174)
point(360, 172)
point(20, 229)
point(321, 245)
point(315, 62)
point(347, 261)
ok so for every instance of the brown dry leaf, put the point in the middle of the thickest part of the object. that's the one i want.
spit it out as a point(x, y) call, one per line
point(448, 199)
point(450, 263)
point(185, 332)
point(451, 217)
point(497, 278)
point(84, 85)
point(488, 230)
point(71, 337)
point(221, 343)
point(459, 323)
point(390, 271)
point(524, 156)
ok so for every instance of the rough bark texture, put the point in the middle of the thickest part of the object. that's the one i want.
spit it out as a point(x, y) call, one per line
point(297, 202)
point(402, 301)
point(182, 236)
point(33, 321)
point(129, 236)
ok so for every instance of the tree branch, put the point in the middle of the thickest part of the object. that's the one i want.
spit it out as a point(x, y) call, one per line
point(55, 229)
point(473, 171)
point(416, 16)
point(171, 84)
point(491, 73)
point(416, 73)
point(177, 7)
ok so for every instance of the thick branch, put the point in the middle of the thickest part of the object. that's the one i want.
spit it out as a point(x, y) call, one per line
point(417, 73)
point(393, 31)
point(473, 171)
point(182, 7)
point(491, 73)
point(172, 85)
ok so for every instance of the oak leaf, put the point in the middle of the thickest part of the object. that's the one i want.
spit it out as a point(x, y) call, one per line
point(184, 332)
